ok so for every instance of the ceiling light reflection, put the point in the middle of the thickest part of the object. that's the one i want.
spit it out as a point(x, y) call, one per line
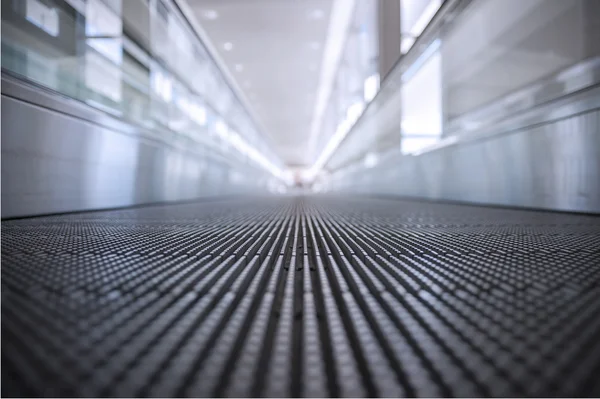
point(316, 14)
point(211, 15)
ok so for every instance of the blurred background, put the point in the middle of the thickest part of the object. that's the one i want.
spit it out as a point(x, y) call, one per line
point(314, 198)
point(112, 103)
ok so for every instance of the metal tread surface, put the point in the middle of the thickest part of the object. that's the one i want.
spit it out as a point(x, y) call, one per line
point(316, 297)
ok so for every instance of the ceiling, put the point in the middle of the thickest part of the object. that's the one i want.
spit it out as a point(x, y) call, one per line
point(274, 50)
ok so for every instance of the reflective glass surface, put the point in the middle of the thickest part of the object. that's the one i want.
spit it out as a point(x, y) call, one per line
point(136, 59)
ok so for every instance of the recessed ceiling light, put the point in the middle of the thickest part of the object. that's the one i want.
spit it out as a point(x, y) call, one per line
point(228, 46)
point(210, 15)
point(239, 67)
point(316, 14)
point(315, 45)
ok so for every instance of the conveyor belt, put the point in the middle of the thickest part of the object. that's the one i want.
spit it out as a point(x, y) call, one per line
point(302, 297)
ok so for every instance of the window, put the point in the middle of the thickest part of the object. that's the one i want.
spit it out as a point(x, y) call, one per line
point(422, 103)
point(42, 16)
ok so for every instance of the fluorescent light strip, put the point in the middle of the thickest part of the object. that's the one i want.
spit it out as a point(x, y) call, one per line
point(244, 148)
point(188, 13)
point(371, 87)
point(339, 24)
point(353, 112)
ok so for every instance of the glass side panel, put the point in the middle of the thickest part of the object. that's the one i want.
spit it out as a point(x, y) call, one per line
point(138, 60)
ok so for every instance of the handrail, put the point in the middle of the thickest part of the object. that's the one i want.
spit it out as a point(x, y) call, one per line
point(443, 18)
point(187, 15)
point(521, 103)
point(582, 99)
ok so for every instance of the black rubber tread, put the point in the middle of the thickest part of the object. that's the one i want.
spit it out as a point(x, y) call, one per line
point(315, 297)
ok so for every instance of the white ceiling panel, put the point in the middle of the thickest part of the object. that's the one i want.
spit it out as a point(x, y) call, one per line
point(274, 50)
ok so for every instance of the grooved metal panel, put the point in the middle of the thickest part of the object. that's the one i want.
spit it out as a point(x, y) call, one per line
point(318, 296)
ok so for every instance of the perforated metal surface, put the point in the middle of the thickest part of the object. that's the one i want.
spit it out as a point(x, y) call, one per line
point(311, 297)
